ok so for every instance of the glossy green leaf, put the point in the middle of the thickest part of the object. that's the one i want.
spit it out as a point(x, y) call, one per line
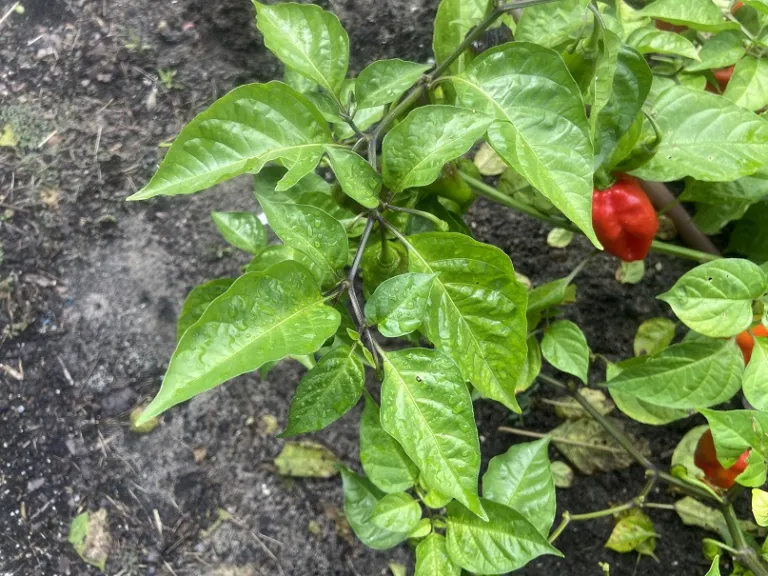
point(541, 128)
point(426, 407)
point(261, 318)
point(385, 81)
point(653, 336)
point(734, 431)
point(398, 305)
point(422, 530)
point(432, 558)
point(309, 229)
point(415, 150)
point(565, 347)
point(240, 133)
point(326, 392)
point(360, 499)
point(750, 237)
point(638, 409)
point(307, 39)
point(552, 24)
point(711, 218)
point(532, 365)
point(506, 542)
point(755, 382)
point(383, 459)
point(547, 295)
point(715, 298)
point(721, 50)
point(697, 14)
point(266, 181)
point(276, 253)
point(476, 310)
point(685, 376)
point(521, 479)
point(651, 40)
point(356, 177)
point(601, 85)
point(397, 512)
point(706, 137)
point(453, 20)
point(748, 87)
point(198, 300)
point(749, 188)
point(243, 230)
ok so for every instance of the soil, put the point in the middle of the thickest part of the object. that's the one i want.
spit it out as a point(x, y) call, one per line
point(90, 288)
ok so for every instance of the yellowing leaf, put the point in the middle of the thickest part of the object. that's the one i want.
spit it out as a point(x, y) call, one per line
point(306, 459)
point(8, 137)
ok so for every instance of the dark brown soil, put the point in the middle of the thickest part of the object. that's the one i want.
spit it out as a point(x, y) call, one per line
point(90, 288)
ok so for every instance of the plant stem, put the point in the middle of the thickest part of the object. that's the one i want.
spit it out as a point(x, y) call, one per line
point(628, 445)
point(350, 282)
point(486, 191)
point(745, 554)
point(439, 224)
point(531, 434)
point(386, 251)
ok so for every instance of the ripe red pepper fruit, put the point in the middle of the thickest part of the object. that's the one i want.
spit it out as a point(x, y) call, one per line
point(746, 341)
point(705, 458)
point(624, 219)
point(722, 76)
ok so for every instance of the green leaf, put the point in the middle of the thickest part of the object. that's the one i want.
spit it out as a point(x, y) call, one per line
point(530, 92)
point(735, 431)
point(385, 81)
point(89, 536)
point(633, 532)
point(553, 24)
point(326, 392)
point(306, 460)
point(506, 542)
point(363, 119)
point(568, 407)
point(476, 310)
point(750, 237)
point(602, 88)
point(685, 376)
point(488, 162)
point(565, 347)
point(760, 506)
point(559, 238)
point(266, 181)
point(630, 272)
point(276, 253)
point(750, 188)
point(307, 39)
point(415, 150)
point(243, 230)
point(714, 570)
point(383, 459)
point(532, 365)
point(591, 449)
point(239, 133)
point(399, 304)
point(756, 376)
point(720, 51)
point(453, 20)
point(651, 40)
point(711, 218)
point(432, 558)
point(396, 512)
point(261, 318)
point(653, 336)
point(310, 230)
point(694, 513)
point(705, 137)
point(356, 177)
point(635, 408)
point(198, 300)
point(697, 14)
point(360, 499)
point(422, 530)
point(748, 87)
point(521, 479)
point(426, 407)
point(715, 298)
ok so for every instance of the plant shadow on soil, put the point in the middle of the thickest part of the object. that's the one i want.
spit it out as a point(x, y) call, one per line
point(93, 287)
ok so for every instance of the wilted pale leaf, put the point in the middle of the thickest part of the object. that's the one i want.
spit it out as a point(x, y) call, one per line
point(306, 459)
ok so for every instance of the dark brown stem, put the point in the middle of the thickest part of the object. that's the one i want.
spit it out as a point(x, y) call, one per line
point(662, 198)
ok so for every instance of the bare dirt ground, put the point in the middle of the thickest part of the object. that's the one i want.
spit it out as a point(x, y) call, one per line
point(90, 288)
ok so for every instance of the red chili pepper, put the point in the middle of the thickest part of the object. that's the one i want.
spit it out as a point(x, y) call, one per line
point(705, 458)
point(746, 341)
point(624, 219)
point(722, 76)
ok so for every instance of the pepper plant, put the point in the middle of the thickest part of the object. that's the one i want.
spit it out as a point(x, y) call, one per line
point(586, 106)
